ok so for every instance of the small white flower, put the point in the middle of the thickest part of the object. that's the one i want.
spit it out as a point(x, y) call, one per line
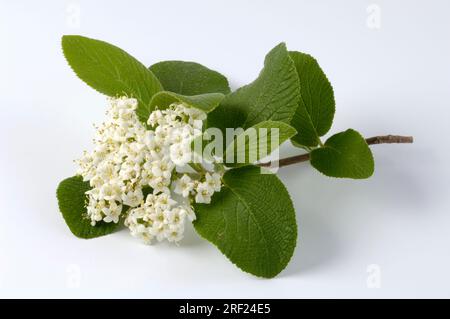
point(184, 186)
point(140, 231)
point(94, 211)
point(157, 217)
point(159, 184)
point(164, 201)
point(214, 181)
point(110, 192)
point(204, 192)
point(155, 118)
point(132, 198)
point(112, 212)
point(175, 216)
point(180, 154)
point(106, 170)
point(174, 233)
point(156, 149)
point(157, 230)
point(162, 168)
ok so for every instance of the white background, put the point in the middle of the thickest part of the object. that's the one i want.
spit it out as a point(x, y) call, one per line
point(392, 79)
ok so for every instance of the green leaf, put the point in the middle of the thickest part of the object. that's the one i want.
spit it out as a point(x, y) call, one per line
point(255, 142)
point(189, 78)
point(274, 95)
point(205, 102)
point(252, 221)
point(345, 154)
point(111, 71)
point(315, 112)
point(71, 194)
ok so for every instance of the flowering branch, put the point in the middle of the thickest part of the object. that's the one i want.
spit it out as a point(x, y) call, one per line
point(384, 139)
point(143, 171)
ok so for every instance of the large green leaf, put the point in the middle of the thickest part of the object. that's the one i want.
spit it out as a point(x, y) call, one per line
point(71, 194)
point(205, 102)
point(274, 95)
point(111, 71)
point(189, 78)
point(252, 221)
point(345, 154)
point(315, 112)
point(256, 142)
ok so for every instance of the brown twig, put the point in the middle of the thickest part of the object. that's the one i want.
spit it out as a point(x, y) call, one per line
point(385, 139)
point(389, 139)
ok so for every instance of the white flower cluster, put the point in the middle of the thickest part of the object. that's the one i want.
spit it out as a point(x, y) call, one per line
point(129, 159)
